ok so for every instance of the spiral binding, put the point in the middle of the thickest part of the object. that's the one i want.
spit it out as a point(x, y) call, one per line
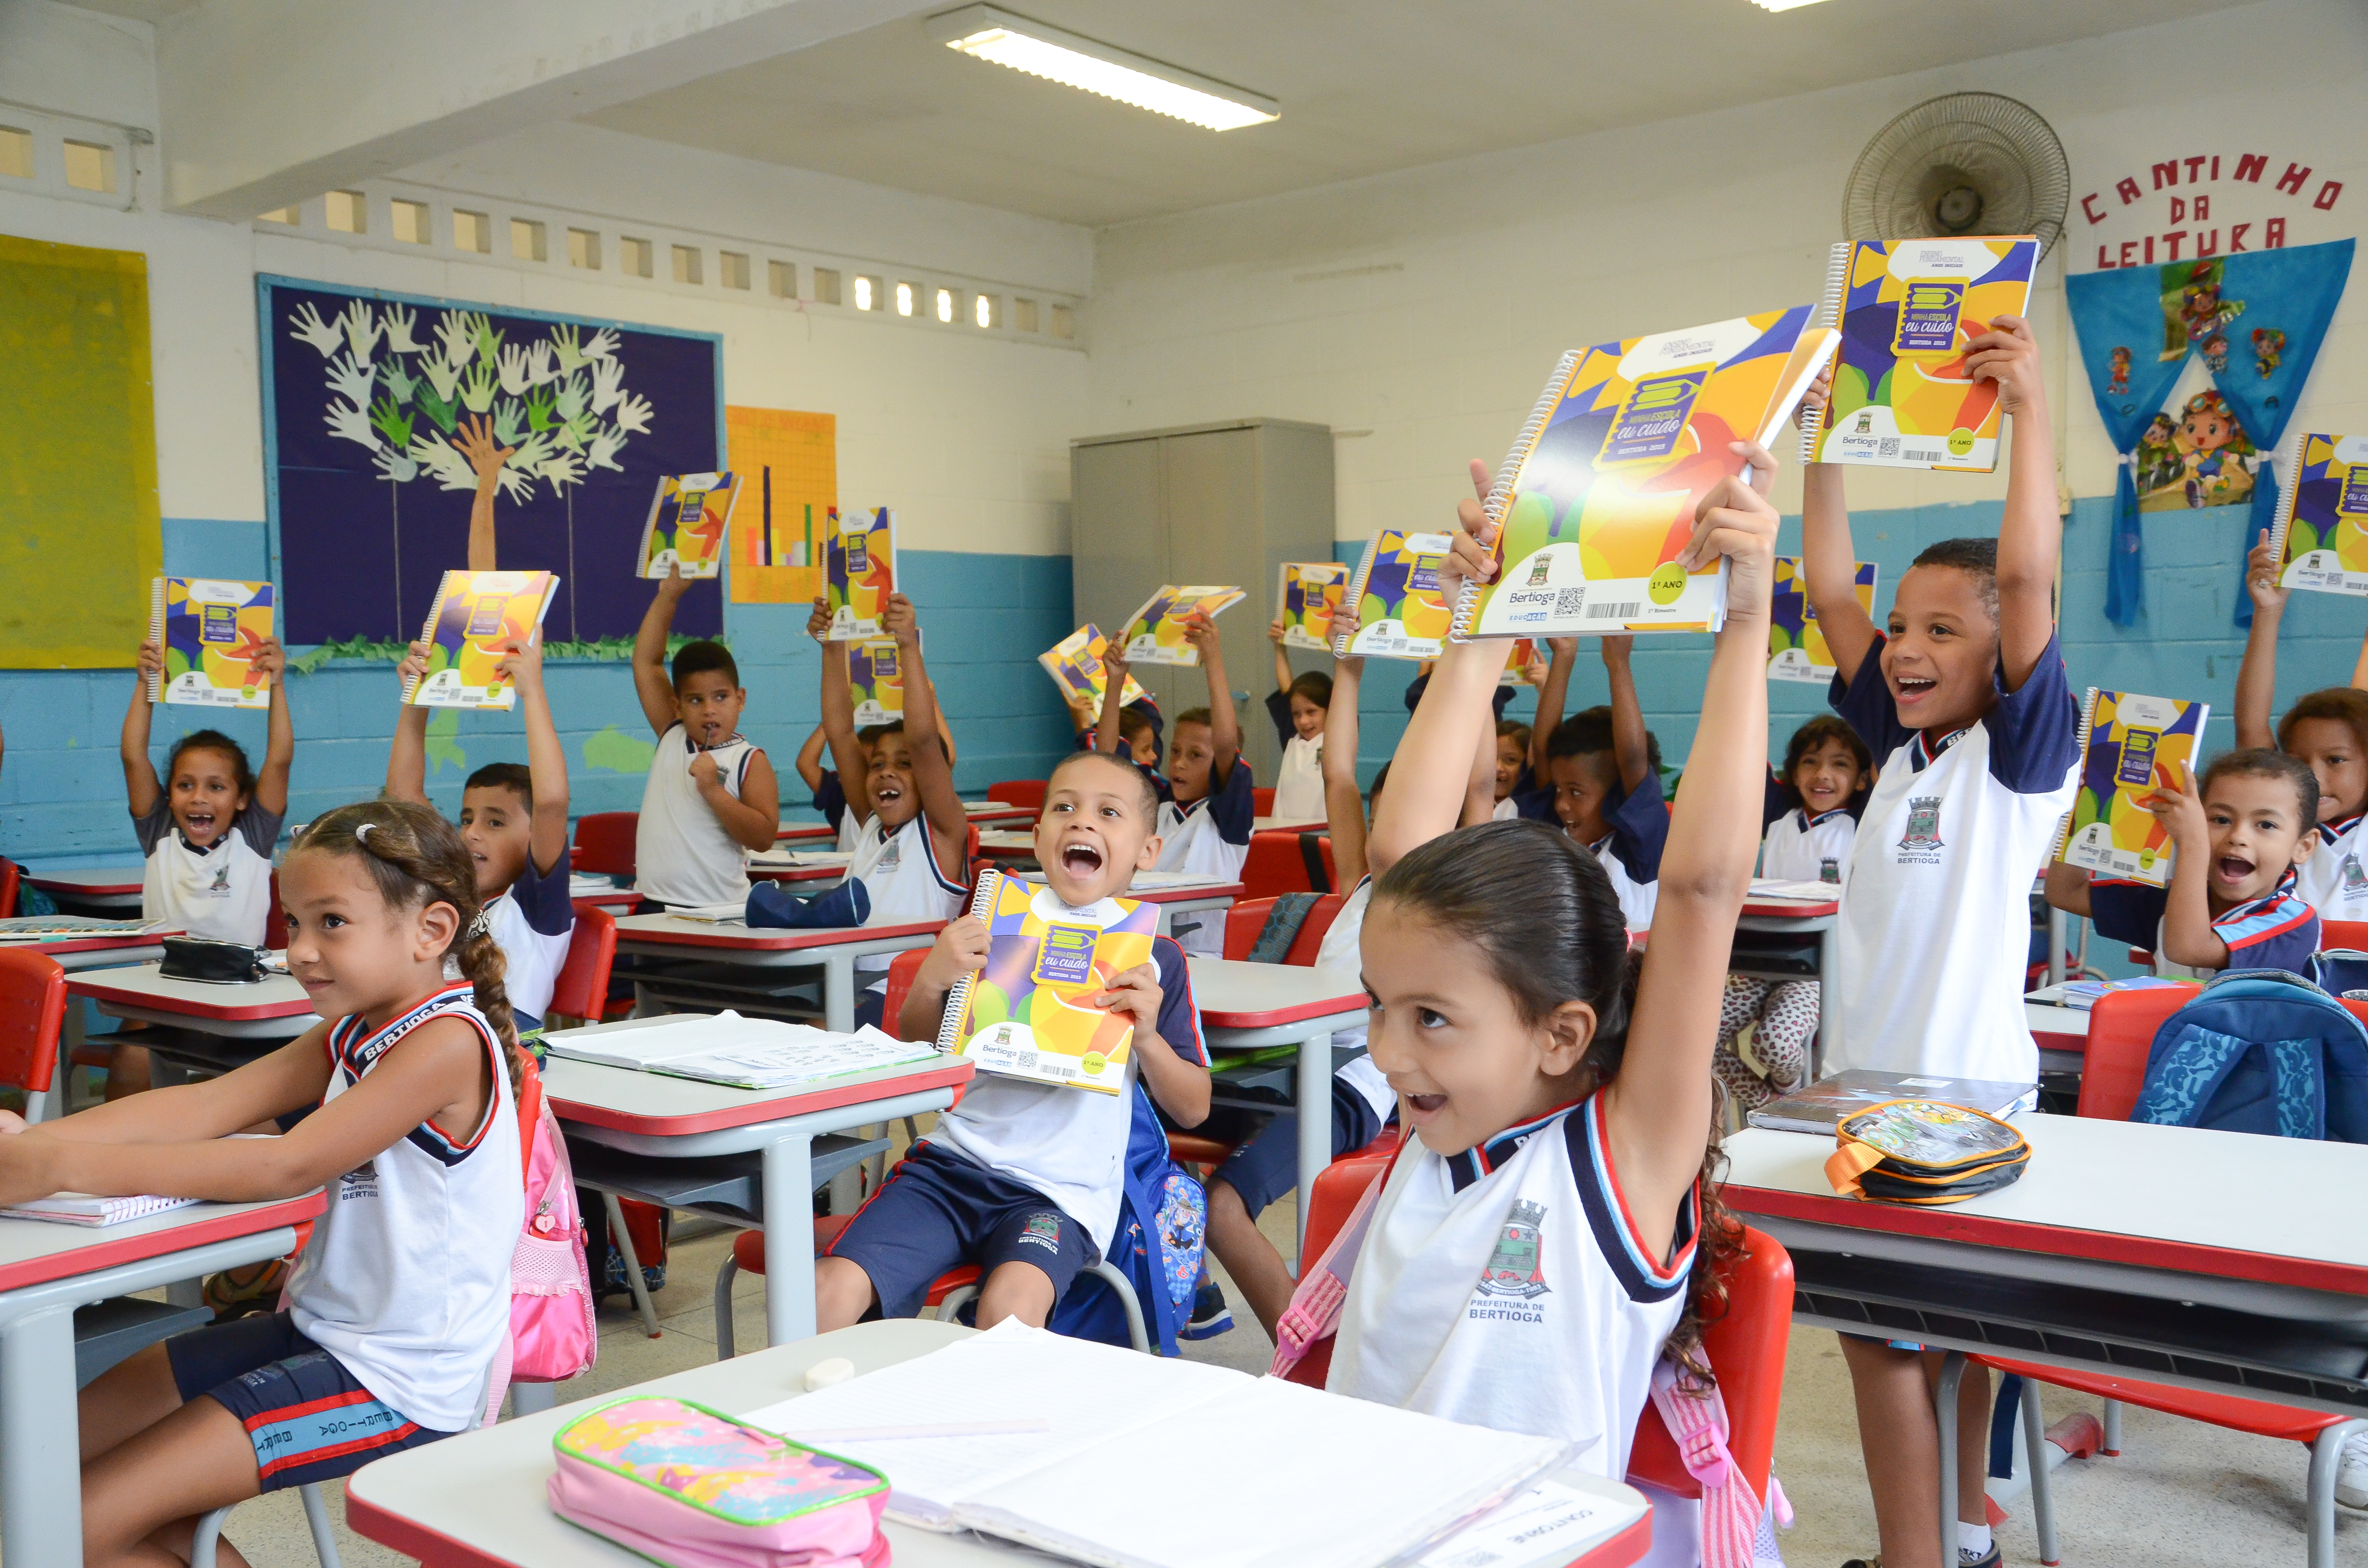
point(1467, 602)
point(1355, 594)
point(2285, 463)
point(1830, 313)
point(427, 635)
point(950, 1026)
point(2080, 747)
point(156, 635)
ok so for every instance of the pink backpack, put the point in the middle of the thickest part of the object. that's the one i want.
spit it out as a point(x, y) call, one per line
point(554, 1334)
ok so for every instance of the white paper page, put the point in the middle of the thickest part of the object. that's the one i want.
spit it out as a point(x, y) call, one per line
point(690, 1035)
point(799, 1060)
point(1090, 1393)
point(1549, 1523)
point(1304, 1478)
point(1156, 882)
point(1812, 892)
point(84, 1208)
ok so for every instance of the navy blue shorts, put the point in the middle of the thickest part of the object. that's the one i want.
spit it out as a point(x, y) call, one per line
point(1268, 1165)
point(308, 1418)
point(937, 1210)
point(871, 1007)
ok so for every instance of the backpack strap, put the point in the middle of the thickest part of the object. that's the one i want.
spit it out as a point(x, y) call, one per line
point(1282, 927)
point(529, 1113)
point(1314, 1311)
point(1310, 854)
point(1695, 1413)
point(2183, 1074)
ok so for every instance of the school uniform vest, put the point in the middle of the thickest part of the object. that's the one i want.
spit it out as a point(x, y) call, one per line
point(531, 960)
point(1637, 900)
point(1799, 848)
point(1299, 784)
point(406, 1281)
point(1191, 841)
point(2334, 881)
point(1505, 1286)
point(902, 876)
point(681, 853)
point(223, 894)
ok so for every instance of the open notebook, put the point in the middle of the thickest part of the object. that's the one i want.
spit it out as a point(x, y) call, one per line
point(1135, 1445)
point(82, 1208)
point(749, 1053)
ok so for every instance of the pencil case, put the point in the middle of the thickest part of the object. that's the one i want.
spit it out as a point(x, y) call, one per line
point(689, 1486)
point(1924, 1153)
point(201, 957)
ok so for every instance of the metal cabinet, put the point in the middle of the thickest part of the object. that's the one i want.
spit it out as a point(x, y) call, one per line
point(1220, 503)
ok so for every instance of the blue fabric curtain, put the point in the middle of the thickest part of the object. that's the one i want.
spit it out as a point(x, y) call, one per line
point(2258, 319)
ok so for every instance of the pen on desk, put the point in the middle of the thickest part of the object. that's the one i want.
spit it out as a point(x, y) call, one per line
point(944, 1429)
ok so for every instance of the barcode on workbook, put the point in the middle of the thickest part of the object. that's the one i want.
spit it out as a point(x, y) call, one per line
point(1624, 611)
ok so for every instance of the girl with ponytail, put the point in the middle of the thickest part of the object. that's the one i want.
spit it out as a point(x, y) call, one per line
point(1549, 1234)
point(400, 1305)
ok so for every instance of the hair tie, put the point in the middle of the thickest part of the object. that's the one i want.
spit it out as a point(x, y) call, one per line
point(361, 832)
point(482, 924)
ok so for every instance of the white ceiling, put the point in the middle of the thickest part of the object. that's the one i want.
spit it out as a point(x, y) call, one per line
point(1366, 86)
point(141, 10)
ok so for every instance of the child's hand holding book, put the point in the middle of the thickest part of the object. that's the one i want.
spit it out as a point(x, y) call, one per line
point(1134, 992)
point(898, 618)
point(2009, 354)
point(2263, 570)
point(959, 950)
point(818, 623)
point(1735, 520)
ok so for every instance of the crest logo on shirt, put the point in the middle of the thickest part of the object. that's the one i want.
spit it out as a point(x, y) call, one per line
point(220, 888)
point(2354, 878)
point(1923, 823)
point(1517, 1267)
point(1041, 1230)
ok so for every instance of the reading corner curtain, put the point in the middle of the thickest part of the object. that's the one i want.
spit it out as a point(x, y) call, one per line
point(2257, 320)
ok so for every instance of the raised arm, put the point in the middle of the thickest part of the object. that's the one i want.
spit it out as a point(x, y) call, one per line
point(1551, 698)
point(1343, 803)
point(838, 714)
point(1631, 744)
point(2067, 889)
point(1281, 659)
point(2257, 677)
point(140, 789)
point(809, 761)
point(546, 759)
point(933, 775)
point(2187, 935)
point(2031, 538)
point(279, 737)
point(406, 752)
point(475, 439)
point(1829, 564)
point(1114, 667)
point(650, 682)
point(1657, 1111)
point(1225, 725)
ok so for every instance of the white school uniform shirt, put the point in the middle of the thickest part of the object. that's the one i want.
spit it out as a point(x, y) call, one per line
point(1209, 837)
point(533, 923)
point(1935, 921)
point(406, 1281)
point(2334, 881)
point(1798, 846)
point(1504, 810)
point(1070, 1143)
point(223, 892)
point(1340, 952)
point(902, 876)
point(681, 853)
point(1505, 1286)
point(1299, 782)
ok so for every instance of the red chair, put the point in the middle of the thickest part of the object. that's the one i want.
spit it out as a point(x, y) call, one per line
point(604, 843)
point(1278, 863)
point(1262, 802)
point(1028, 793)
point(2120, 1035)
point(275, 919)
point(2347, 935)
point(581, 992)
point(32, 1016)
point(1245, 921)
point(9, 875)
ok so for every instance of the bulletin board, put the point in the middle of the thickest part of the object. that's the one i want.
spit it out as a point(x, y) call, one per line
point(789, 466)
point(80, 538)
point(368, 497)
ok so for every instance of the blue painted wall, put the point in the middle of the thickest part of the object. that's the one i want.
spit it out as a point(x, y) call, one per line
point(986, 618)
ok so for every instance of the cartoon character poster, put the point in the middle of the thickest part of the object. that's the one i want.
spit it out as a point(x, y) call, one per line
point(2194, 456)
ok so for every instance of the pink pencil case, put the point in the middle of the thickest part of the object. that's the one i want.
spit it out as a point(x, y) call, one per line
point(688, 1486)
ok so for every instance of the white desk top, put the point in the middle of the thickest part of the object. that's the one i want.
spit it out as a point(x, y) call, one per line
point(2229, 1204)
point(33, 1252)
point(673, 931)
point(1301, 825)
point(1236, 995)
point(2046, 1018)
point(275, 996)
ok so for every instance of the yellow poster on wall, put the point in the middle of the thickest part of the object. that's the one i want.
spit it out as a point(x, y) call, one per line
point(79, 540)
point(789, 464)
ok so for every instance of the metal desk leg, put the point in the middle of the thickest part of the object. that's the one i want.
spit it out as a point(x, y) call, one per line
point(788, 1239)
point(2057, 925)
point(41, 1471)
point(1944, 1412)
point(838, 994)
point(533, 1398)
point(1315, 1127)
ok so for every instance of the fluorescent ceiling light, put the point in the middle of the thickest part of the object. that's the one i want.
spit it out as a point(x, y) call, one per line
point(983, 32)
point(1782, 4)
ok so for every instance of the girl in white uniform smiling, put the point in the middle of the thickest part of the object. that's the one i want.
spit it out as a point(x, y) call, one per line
point(1546, 1237)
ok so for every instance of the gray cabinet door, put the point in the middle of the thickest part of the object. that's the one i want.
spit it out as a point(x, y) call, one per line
point(1120, 549)
point(1211, 503)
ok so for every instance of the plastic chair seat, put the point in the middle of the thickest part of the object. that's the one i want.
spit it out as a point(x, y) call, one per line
point(2253, 1416)
point(1193, 1149)
point(2343, 935)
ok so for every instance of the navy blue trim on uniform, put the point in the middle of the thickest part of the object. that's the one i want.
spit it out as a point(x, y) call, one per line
point(1606, 1215)
point(1486, 1156)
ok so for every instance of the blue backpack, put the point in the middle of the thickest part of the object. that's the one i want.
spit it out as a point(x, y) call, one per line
point(2260, 1050)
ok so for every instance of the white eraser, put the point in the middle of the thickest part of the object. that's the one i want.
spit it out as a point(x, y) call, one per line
point(829, 1374)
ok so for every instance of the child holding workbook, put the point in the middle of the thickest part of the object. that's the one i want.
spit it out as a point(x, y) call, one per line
point(1298, 704)
point(712, 797)
point(1025, 1180)
point(1605, 769)
point(829, 790)
point(1207, 809)
point(913, 841)
point(2328, 729)
point(1964, 701)
point(514, 822)
point(401, 1303)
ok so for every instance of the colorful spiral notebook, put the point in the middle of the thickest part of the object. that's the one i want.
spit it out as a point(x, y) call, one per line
point(474, 615)
point(1075, 663)
point(1517, 663)
point(1024, 1014)
point(2128, 744)
point(1796, 648)
point(859, 572)
point(689, 517)
point(1402, 612)
point(210, 629)
point(875, 679)
point(1906, 310)
point(1155, 634)
point(1308, 593)
point(1596, 500)
point(2321, 534)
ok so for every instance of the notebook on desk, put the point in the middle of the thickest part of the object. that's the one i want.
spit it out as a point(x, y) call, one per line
point(83, 1208)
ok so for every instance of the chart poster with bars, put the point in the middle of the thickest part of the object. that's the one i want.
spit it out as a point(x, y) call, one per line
point(790, 487)
point(78, 469)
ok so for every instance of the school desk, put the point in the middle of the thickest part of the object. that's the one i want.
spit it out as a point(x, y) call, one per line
point(651, 1117)
point(46, 1271)
point(101, 950)
point(615, 900)
point(478, 1500)
point(111, 892)
point(800, 865)
point(983, 812)
point(245, 1020)
point(1250, 1007)
point(1006, 842)
point(2169, 1254)
point(804, 832)
point(1289, 825)
point(2062, 1034)
point(753, 960)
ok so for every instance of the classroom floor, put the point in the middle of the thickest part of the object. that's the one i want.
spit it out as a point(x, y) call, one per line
point(2182, 1495)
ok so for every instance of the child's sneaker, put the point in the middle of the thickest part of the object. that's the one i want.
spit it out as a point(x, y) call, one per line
point(246, 1290)
point(612, 1278)
point(2351, 1476)
point(1210, 1316)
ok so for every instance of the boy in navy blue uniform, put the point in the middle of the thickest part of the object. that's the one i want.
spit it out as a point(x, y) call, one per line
point(1025, 1180)
point(2241, 833)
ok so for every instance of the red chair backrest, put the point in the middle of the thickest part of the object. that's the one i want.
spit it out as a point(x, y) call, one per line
point(582, 989)
point(9, 875)
point(605, 843)
point(1017, 792)
point(1262, 801)
point(2348, 934)
point(1746, 1349)
point(1245, 921)
point(2121, 1033)
point(275, 919)
point(32, 1011)
point(1276, 864)
point(900, 974)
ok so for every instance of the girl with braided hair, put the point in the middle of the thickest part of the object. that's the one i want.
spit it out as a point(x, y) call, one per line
point(400, 1305)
